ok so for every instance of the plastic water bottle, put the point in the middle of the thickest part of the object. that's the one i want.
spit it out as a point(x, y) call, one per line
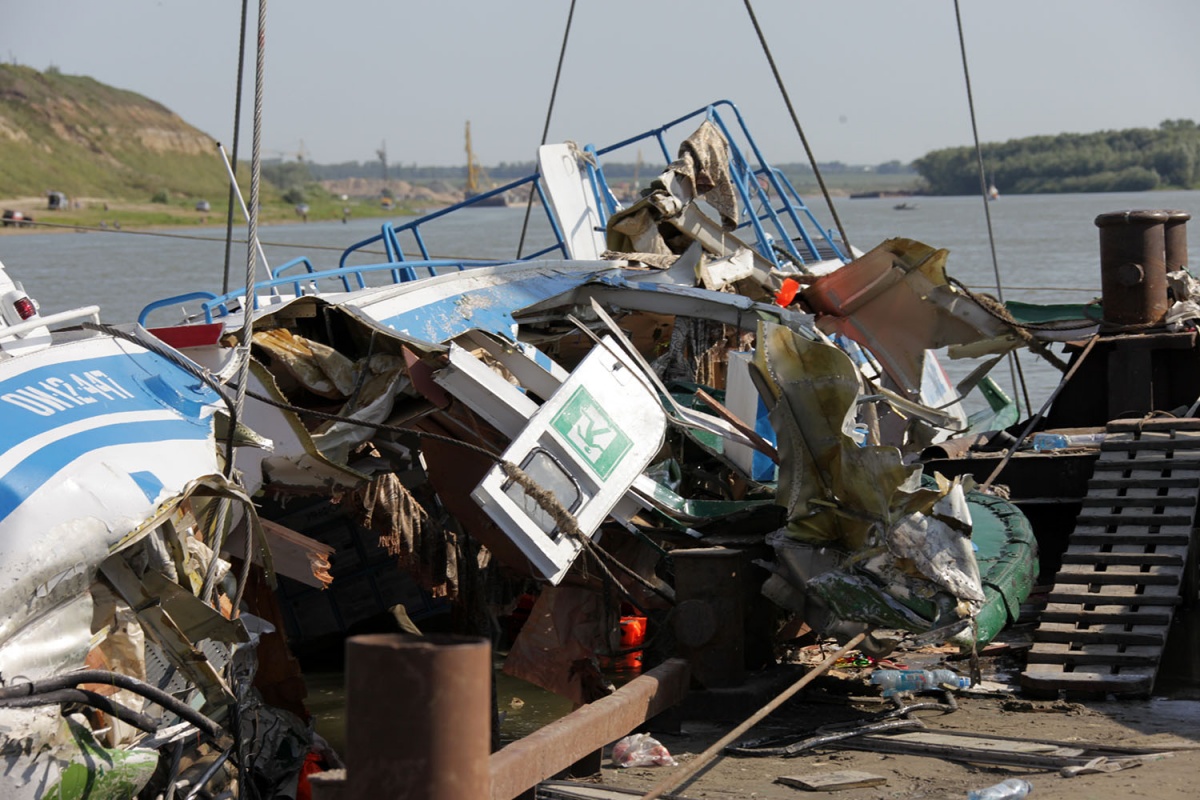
point(1011, 789)
point(916, 680)
point(1057, 441)
point(1049, 441)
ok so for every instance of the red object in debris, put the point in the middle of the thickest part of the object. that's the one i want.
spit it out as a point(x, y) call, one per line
point(787, 292)
point(183, 336)
point(311, 766)
point(633, 631)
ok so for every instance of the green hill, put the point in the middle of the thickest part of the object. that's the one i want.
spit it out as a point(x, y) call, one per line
point(75, 135)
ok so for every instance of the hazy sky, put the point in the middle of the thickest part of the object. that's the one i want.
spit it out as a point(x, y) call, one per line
point(872, 80)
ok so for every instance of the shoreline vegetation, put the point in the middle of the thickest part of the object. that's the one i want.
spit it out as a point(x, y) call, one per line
point(122, 161)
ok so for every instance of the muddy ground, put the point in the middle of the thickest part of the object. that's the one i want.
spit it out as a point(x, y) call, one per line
point(1167, 723)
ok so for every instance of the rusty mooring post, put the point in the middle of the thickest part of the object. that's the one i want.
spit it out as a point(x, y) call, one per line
point(1133, 272)
point(708, 614)
point(418, 717)
point(1175, 237)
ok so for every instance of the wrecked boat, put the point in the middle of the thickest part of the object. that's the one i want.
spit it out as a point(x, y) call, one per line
point(118, 609)
point(707, 368)
point(511, 357)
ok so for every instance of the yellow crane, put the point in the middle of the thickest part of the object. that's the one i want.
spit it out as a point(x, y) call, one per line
point(476, 175)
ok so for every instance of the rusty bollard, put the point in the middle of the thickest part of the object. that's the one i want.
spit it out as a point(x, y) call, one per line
point(418, 719)
point(1133, 272)
point(1175, 238)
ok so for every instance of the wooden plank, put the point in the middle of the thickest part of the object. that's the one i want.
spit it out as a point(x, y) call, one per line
point(984, 742)
point(1150, 444)
point(1046, 678)
point(1124, 598)
point(573, 790)
point(1094, 537)
point(1094, 655)
point(1136, 425)
point(1132, 501)
point(1144, 483)
point(1074, 574)
point(1074, 612)
point(1067, 633)
point(1093, 557)
point(833, 781)
point(1134, 519)
point(1186, 463)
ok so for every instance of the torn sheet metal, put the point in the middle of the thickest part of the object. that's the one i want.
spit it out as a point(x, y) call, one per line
point(896, 545)
point(585, 446)
point(294, 458)
point(897, 302)
point(437, 309)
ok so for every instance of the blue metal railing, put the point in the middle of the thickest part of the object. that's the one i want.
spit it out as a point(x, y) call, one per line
point(779, 224)
point(771, 208)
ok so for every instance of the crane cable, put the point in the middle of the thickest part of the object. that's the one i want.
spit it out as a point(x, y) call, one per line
point(1014, 364)
point(237, 125)
point(800, 131)
point(562, 53)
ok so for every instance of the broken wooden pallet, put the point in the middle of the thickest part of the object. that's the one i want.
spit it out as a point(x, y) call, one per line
point(1106, 619)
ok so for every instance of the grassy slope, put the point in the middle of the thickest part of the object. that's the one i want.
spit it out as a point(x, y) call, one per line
point(110, 151)
point(76, 135)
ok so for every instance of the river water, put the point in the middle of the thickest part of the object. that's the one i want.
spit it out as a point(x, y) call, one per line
point(1047, 248)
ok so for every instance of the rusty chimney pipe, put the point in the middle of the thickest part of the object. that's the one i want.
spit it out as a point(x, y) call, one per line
point(1133, 273)
point(1176, 240)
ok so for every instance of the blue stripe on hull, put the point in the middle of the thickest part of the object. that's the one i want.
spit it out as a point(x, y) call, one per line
point(28, 476)
point(50, 396)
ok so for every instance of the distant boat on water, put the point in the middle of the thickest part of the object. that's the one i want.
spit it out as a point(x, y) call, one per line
point(992, 192)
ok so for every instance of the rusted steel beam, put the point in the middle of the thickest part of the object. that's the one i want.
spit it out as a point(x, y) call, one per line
point(418, 713)
point(543, 753)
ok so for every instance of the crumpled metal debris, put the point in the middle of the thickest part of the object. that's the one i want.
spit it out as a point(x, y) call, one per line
point(881, 548)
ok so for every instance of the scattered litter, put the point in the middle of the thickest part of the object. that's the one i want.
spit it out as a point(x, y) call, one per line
point(1011, 789)
point(971, 748)
point(641, 750)
point(917, 680)
point(833, 781)
point(1106, 764)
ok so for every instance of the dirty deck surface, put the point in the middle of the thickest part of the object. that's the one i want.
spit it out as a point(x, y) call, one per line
point(1169, 722)
point(1165, 723)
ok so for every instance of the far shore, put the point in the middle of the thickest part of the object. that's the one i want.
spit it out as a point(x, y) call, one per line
point(101, 215)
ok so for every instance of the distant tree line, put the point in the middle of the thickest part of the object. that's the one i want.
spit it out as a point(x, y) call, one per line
point(1131, 160)
point(505, 171)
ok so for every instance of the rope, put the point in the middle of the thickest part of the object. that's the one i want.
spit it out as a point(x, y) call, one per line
point(987, 211)
point(562, 53)
point(812, 160)
point(251, 255)
point(237, 128)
